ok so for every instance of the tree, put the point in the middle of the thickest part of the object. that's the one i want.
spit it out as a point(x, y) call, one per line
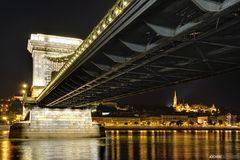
point(179, 123)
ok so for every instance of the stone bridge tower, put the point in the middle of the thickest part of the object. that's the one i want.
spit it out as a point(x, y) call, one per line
point(49, 54)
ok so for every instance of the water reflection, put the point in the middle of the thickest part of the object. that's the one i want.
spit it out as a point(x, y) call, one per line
point(87, 149)
point(153, 145)
point(122, 145)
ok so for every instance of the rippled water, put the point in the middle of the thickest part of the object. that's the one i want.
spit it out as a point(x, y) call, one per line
point(127, 145)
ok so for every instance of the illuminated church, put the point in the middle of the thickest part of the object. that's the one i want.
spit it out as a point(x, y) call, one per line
point(196, 108)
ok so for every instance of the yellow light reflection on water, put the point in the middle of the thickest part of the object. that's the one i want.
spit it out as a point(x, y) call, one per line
point(196, 143)
point(5, 150)
point(217, 140)
point(174, 142)
point(31, 149)
point(143, 145)
point(237, 134)
point(112, 145)
point(118, 147)
point(153, 145)
point(130, 145)
point(149, 145)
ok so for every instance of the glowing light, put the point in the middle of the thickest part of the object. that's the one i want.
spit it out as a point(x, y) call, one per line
point(23, 91)
point(5, 151)
point(58, 39)
point(18, 117)
point(110, 19)
point(125, 3)
point(82, 48)
point(55, 39)
point(24, 86)
point(78, 53)
point(4, 118)
point(117, 11)
point(193, 108)
point(38, 82)
point(94, 36)
point(98, 31)
point(63, 40)
point(37, 37)
point(104, 25)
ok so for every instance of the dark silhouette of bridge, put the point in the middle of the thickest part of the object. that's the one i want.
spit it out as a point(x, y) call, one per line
point(141, 45)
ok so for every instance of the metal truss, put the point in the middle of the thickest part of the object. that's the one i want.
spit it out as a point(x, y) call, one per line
point(142, 52)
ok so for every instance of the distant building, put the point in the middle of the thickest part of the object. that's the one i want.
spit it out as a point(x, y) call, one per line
point(173, 118)
point(227, 119)
point(196, 108)
point(4, 105)
point(202, 120)
point(113, 121)
point(113, 109)
point(20, 98)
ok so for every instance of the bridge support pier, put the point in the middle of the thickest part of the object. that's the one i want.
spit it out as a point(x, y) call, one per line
point(56, 123)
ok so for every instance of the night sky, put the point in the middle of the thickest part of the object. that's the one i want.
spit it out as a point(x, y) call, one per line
point(76, 19)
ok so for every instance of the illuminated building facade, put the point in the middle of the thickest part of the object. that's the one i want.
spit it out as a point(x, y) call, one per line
point(196, 108)
point(49, 54)
point(4, 106)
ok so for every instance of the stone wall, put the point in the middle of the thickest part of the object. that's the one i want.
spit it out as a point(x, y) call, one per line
point(46, 122)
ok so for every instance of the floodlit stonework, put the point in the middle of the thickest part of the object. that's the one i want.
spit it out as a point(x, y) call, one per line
point(49, 54)
point(197, 108)
point(56, 123)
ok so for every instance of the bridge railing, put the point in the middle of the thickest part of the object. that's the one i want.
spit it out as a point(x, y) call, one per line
point(119, 7)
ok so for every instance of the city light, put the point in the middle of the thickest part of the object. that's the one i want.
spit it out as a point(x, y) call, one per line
point(110, 19)
point(197, 108)
point(117, 11)
point(55, 39)
point(4, 118)
point(18, 117)
point(104, 25)
point(24, 86)
point(94, 37)
point(23, 91)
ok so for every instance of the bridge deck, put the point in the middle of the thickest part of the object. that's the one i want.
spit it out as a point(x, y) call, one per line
point(152, 44)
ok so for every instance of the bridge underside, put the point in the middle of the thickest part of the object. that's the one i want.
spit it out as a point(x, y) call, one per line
point(152, 45)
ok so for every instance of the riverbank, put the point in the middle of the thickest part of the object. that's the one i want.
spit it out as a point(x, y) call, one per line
point(4, 127)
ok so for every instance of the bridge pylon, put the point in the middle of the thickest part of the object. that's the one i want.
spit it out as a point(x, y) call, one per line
point(56, 123)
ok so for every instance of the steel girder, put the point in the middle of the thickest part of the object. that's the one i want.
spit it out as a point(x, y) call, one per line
point(144, 54)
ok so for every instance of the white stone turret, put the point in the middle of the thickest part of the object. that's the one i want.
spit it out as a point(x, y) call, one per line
point(49, 54)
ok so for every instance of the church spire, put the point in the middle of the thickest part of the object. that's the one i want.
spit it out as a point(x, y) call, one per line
point(175, 99)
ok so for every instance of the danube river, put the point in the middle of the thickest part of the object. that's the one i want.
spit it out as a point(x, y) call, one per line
point(144, 145)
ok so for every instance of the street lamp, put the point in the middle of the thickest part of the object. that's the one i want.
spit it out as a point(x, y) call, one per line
point(4, 118)
point(23, 91)
point(24, 86)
